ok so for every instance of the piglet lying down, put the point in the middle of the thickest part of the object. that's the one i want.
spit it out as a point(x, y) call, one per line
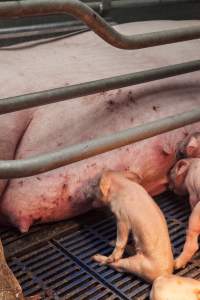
point(127, 199)
point(68, 191)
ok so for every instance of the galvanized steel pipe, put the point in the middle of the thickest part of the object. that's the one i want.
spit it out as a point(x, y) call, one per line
point(39, 29)
point(46, 162)
point(74, 91)
point(60, 27)
point(117, 4)
point(96, 23)
point(43, 29)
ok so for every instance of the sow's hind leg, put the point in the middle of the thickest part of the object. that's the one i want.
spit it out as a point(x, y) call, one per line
point(12, 129)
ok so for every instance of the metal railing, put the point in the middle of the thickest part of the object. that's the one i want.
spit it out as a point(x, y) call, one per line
point(46, 162)
point(101, 7)
point(96, 23)
point(84, 89)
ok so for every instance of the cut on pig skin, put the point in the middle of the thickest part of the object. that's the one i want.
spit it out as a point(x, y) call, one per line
point(68, 191)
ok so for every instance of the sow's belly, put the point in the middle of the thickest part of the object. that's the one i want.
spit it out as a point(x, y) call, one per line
point(68, 191)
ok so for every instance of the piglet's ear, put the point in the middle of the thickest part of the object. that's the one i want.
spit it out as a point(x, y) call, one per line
point(182, 167)
point(191, 146)
point(105, 183)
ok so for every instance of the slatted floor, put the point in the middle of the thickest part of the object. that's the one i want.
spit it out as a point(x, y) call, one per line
point(55, 260)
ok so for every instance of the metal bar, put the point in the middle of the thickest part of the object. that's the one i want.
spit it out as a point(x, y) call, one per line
point(59, 27)
point(105, 6)
point(42, 29)
point(118, 4)
point(39, 29)
point(74, 91)
point(46, 162)
point(96, 23)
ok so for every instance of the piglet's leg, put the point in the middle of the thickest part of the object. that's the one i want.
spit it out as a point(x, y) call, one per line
point(193, 200)
point(101, 259)
point(191, 244)
point(139, 265)
point(122, 239)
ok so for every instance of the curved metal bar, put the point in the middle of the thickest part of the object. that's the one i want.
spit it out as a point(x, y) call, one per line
point(46, 162)
point(43, 29)
point(96, 23)
point(65, 93)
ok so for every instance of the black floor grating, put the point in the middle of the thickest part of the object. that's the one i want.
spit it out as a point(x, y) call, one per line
point(60, 267)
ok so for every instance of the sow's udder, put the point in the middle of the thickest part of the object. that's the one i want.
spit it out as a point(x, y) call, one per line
point(70, 190)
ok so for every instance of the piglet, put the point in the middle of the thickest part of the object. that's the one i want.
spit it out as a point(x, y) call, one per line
point(173, 287)
point(190, 146)
point(184, 178)
point(136, 212)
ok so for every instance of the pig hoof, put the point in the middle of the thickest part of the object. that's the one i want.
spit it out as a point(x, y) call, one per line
point(179, 264)
point(95, 257)
point(99, 259)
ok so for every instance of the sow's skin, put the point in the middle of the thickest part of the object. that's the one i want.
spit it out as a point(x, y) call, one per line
point(153, 253)
point(68, 191)
point(175, 288)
